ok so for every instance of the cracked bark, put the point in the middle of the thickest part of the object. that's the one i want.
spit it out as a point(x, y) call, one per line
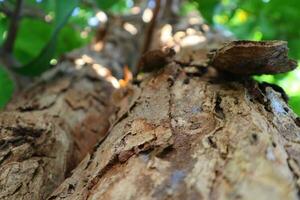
point(182, 133)
point(49, 128)
point(181, 147)
point(191, 134)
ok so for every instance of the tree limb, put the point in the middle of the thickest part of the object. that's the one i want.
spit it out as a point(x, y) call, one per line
point(13, 29)
point(27, 11)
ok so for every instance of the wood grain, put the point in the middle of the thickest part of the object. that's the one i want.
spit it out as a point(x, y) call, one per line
point(253, 58)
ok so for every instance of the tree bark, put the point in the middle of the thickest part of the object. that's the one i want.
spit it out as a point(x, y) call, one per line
point(185, 136)
point(183, 132)
point(47, 130)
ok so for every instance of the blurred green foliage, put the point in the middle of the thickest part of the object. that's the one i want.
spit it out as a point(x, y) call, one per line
point(69, 24)
point(6, 87)
point(40, 63)
point(43, 36)
point(114, 6)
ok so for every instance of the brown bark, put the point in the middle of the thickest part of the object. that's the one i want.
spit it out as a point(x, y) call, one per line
point(184, 132)
point(47, 130)
point(186, 136)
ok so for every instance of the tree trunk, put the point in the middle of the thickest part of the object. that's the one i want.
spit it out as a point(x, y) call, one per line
point(184, 132)
point(186, 136)
point(48, 129)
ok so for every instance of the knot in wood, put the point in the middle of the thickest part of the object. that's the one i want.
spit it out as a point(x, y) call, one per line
point(155, 59)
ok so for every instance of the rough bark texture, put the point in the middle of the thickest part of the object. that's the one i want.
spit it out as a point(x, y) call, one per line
point(183, 132)
point(249, 58)
point(190, 137)
point(47, 130)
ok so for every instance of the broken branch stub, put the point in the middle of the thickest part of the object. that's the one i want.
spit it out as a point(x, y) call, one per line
point(253, 58)
point(155, 59)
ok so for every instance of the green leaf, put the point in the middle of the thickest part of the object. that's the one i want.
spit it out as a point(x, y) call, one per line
point(115, 6)
point(294, 103)
point(31, 39)
point(63, 10)
point(69, 39)
point(207, 8)
point(6, 87)
point(187, 7)
point(3, 26)
point(106, 4)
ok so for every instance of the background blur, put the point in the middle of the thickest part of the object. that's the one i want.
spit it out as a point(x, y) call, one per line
point(49, 28)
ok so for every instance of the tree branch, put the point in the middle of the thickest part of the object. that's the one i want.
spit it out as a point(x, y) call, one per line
point(148, 34)
point(27, 11)
point(151, 27)
point(13, 29)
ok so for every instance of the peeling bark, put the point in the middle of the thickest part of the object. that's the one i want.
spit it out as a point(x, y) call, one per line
point(175, 144)
point(191, 134)
point(49, 128)
point(184, 132)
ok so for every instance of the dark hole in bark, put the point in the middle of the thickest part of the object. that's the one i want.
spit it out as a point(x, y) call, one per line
point(211, 142)
point(141, 146)
point(4, 157)
point(165, 152)
point(197, 74)
point(268, 107)
point(203, 70)
point(71, 188)
point(286, 109)
point(254, 138)
point(3, 144)
point(26, 131)
point(218, 110)
point(297, 121)
point(186, 81)
point(170, 81)
point(137, 82)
